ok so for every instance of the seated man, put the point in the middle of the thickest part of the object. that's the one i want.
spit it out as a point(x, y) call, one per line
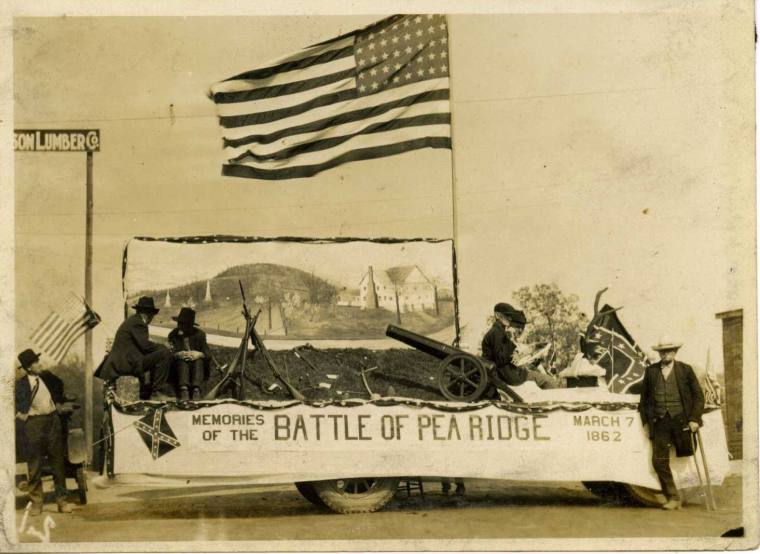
point(191, 354)
point(133, 353)
point(499, 346)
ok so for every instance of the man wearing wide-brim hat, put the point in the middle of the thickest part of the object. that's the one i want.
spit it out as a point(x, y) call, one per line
point(499, 345)
point(133, 353)
point(671, 407)
point(191, 354)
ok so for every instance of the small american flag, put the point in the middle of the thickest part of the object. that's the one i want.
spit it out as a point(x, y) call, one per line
point(375, 92)
point(711, 388)
point(63, 326)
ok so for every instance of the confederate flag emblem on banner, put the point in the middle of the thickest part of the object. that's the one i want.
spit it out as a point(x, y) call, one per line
point(156, 433)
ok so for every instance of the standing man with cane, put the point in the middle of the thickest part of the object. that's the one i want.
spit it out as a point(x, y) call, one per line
point(671, 407)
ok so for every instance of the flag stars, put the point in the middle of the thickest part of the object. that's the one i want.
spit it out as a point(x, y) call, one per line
point(444, 68)
point(408, 49)
point(431, 70)
point(385, 55)
point(397, 66)
point(442, 26)
point(408, 75)
point(406, 23)
point(430, 16)
point(396, 79)
point(373, 59)
point(386, 69)
point(362, 88)
point(420, 46)
point(383, 42)
point(359, 50)
point(418, 32)
point(418, 19)
point(431, 29)
point(371, 46)
point(374, 86)
point(407, 36)
point(431, 56)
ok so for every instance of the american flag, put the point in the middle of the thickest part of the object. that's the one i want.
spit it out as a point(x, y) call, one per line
point(63, 327)
point(375, 92)
point(711, 387)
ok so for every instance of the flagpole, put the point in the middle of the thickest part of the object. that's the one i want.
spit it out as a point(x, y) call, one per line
point(454, 214)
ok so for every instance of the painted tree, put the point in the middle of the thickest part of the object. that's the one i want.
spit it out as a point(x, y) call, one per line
point(552, 317)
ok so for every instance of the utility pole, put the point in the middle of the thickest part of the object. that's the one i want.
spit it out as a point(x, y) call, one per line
point(88, 362)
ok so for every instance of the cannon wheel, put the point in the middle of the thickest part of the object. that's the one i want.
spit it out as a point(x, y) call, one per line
point(357, 495)
point(461, 377)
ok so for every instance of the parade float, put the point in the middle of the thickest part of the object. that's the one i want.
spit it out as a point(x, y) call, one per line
point(349, 450)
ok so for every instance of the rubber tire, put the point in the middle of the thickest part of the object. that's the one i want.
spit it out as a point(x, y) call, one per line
point(643, 496)
point(624, 493)
point(82, 485)
point(306, 488)
point(609, 491)
point(335, 498)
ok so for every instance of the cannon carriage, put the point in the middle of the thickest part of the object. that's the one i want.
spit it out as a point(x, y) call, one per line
point(462, 377)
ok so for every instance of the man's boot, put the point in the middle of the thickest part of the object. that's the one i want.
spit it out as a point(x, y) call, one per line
point(63, 506)
point(196, 393)
point(183, 393)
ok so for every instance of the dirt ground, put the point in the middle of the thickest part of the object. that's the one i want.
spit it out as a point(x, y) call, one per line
point(489, 510)
point(330, 374)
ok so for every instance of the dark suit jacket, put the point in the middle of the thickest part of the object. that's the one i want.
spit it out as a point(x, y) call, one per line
point(498, 348)
point(692, 397)
point(130, 344)
point(24, 391)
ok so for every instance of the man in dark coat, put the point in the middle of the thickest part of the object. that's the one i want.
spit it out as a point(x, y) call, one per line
point(133, 353)
point(499, 346)
point(191, 354)
point(671, 407)
point(39, 400)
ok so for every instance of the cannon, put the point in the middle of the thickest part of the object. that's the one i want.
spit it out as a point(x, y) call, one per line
point(461, 376)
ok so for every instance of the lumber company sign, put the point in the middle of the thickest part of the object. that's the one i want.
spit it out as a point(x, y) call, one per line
point(56, 140)
point(294, 442)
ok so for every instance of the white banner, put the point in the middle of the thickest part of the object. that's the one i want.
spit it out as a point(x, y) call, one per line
point(282, 442)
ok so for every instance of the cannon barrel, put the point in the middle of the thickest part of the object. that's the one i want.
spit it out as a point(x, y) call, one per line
point(422, 343)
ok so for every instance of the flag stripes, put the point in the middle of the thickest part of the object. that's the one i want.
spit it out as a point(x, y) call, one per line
point(63, 327)
point(374, 92)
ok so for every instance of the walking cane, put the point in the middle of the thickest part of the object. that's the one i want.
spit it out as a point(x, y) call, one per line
point(707, 471)
point(702, 488)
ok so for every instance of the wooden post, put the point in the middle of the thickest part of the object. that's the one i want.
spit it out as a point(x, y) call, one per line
point(88, 362)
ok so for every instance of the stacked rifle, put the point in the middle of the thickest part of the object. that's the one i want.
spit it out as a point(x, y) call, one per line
point(235, 373)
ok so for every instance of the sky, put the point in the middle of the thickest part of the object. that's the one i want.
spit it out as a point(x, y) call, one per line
point(590, 150)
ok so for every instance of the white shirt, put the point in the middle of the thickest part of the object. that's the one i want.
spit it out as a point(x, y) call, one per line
point(42, 403)
point(666, 369)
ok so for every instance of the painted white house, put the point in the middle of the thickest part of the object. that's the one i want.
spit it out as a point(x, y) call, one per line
point(380, 289)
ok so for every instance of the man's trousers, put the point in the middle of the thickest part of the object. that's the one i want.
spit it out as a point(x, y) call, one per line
point(44, 437)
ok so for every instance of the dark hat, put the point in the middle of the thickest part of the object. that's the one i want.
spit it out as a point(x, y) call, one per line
point(186, 317)
point(146, 304)
point(28, 357)
point(513, 314)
